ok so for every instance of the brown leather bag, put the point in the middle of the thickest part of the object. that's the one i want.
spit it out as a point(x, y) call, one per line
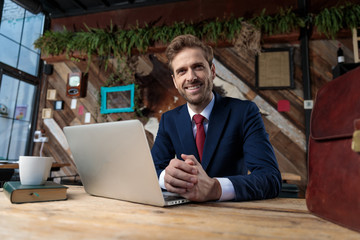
point(333, 190)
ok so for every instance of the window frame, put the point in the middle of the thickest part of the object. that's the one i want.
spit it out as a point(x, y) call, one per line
point(28, 78)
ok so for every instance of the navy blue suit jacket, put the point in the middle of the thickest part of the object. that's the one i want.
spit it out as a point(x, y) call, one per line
point(236, 141)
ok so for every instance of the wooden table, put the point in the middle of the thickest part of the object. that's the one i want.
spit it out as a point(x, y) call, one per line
point(86, 217)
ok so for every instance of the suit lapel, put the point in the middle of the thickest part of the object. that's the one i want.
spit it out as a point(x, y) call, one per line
point(217, 121)
point(184, 129)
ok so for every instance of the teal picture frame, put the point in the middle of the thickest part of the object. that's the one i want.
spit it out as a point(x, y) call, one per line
point(104, 99)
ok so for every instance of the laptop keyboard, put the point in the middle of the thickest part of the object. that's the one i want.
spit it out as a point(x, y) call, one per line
point(172, 197)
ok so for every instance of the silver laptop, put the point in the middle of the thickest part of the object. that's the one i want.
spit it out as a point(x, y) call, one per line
point(114, 161)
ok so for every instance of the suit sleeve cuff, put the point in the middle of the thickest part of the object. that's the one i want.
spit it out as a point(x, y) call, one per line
point(227, 189)
point(161, 180)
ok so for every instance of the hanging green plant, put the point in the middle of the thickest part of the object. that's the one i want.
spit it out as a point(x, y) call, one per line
point(283, 22)
point(54, 42)
point(331, 20)
point(94, 41)
point(351, 16)
point(232, 27)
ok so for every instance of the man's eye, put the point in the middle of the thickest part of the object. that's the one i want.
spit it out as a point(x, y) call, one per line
point(199, 67)
point(181, 72)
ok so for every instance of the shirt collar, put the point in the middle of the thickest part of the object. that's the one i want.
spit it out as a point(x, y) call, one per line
point(207, 110)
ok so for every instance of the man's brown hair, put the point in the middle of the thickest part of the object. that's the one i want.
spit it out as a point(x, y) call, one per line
point(187, 41)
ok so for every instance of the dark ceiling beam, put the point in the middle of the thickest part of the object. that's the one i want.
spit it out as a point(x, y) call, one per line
point(33, 6)
point(106, 3)
point(162, 12)
point(80, 4)
point(53, 5)
point(82, 7)
point(165, 12)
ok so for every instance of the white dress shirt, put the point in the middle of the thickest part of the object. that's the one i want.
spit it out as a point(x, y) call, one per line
point(227, 188)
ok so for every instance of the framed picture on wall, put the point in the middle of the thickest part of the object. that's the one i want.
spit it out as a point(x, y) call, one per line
point(274, 69)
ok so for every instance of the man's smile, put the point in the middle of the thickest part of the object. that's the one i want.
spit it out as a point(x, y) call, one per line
point(193, 87)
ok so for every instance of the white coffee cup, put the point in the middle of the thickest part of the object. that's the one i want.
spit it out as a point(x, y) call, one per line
point(34, 170)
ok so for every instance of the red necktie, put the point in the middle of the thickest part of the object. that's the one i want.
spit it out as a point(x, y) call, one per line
point(200, 134)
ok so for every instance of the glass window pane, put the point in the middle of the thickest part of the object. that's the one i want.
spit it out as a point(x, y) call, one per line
point(8, 94)
point(18, 140)
point(12, 20)
point(24, 103)
point(9, 51)
point(33, 27)
point(5, 129)
point(28, 61)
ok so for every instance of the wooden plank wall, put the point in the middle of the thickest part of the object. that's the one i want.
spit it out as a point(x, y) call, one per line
point(159, 95)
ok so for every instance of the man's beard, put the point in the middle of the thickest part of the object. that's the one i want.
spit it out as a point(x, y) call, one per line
point(197, 100)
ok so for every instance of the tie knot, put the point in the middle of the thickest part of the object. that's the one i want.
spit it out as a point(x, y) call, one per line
point(198, 118)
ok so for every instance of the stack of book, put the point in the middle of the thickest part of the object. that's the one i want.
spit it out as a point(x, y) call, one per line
point(50, 191)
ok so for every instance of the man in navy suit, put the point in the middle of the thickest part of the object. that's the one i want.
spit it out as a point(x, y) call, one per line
point(237, 161)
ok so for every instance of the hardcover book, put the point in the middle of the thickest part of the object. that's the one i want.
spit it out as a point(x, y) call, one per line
point(50, 191)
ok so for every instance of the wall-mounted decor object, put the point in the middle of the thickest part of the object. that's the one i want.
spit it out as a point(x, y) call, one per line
point(117, 99)
point(76, 85)
point(81, 110)
point(51, 94)
point(274, 68)
point(47, 113)
point(73, 103)
point(48, 69)
point(283, 106)
point(87, 117)
point(58, 105)
point(308, 104)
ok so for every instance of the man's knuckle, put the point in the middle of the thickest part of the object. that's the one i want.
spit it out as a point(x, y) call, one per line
point(171, 181)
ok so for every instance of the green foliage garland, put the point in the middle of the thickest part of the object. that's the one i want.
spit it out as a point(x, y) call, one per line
point(114, 42)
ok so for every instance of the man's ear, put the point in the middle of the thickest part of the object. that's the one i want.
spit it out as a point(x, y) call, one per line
point(213, 73)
